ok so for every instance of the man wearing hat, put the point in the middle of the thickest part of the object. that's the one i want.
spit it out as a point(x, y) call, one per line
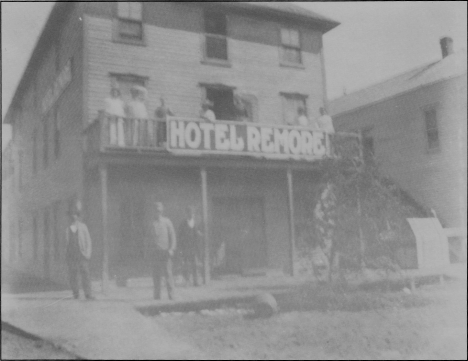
point(189, 239)
point(114, 107)
point(78, 254)
point(206, 113)
point(164, 244)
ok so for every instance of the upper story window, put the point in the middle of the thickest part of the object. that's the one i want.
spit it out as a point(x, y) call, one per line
point(432, 132)
point(216, 36)
point(290, 46)
point(130, 21)
point(291, 105)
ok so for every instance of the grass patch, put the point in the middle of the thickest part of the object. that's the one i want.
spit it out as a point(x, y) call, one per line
point(324, 298)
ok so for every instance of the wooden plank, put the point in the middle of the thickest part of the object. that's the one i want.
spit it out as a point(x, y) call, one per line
point(206, 231)
point(292, 235)
point(105, 241)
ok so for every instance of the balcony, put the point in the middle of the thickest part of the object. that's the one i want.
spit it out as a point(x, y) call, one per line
point(183, 136)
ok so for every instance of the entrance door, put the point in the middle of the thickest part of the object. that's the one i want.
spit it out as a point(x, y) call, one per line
point(239, 235)
point(131, 255)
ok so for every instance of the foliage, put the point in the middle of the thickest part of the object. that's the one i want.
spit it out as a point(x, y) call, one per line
point(359, 217)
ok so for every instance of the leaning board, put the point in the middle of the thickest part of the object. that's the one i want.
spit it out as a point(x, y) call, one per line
point(431, 243)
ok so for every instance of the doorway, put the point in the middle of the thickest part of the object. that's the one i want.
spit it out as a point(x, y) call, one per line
point(131, 251)
point(239, 242)
point(223, 103)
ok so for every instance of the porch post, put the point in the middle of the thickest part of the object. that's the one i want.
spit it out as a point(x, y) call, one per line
point(105, 241)
point(292, 236)
point(206, 231)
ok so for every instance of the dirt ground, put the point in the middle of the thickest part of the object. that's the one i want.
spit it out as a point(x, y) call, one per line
point(429, 324)
point(15, 347)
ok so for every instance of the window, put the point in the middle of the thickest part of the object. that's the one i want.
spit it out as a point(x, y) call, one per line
point(290, 46)
point(215, 36)
point(56, 134)
point(130, 20)
point(223, 102)
point(45, 142)
point(125, 83)
point(34, 152)
point(291, 104)
point(432, 132)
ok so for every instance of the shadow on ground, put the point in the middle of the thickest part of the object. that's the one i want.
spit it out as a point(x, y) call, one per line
point(16, 283)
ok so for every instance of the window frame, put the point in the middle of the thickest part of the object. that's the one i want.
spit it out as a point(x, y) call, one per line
point(283, 47)
point(118, 20)
point(425, 110)
point(206, 35)
point(284, 97)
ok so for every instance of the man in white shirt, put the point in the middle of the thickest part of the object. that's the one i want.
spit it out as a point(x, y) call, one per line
point(206, 113)
point(325, 121)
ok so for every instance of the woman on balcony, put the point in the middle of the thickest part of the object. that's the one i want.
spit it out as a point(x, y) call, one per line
point(136, 110)
point(114, 108)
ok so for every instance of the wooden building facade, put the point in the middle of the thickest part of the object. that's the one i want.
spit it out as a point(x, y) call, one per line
point(245, 179)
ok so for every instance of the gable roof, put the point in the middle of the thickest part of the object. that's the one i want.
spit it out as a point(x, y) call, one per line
point(286, 8)
point(446, 68)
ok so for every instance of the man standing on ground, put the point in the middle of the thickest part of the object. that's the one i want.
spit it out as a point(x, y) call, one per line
point(189, 237)
point(164, 244)
point(78, 254)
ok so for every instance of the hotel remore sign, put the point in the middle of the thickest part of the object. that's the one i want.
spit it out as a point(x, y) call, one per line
point(192, 136)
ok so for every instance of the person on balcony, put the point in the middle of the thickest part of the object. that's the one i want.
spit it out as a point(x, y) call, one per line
point(240, 109)
point(136, 110)
point(206, 113)
point(304, 121)
point(114, 108)
point(161, 114)
point(325, 121)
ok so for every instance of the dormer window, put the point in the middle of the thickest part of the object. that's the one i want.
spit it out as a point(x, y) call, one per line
point(130, 21)
point(290, 47)
point(216, 36)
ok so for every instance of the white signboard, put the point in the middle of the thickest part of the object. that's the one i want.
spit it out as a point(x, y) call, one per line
point(431, 241)
point(239, 138)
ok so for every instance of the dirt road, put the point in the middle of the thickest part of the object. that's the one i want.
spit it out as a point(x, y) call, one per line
point(15, 347)
point(432, 330)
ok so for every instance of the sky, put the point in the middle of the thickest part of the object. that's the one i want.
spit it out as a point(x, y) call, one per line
point(375, 41)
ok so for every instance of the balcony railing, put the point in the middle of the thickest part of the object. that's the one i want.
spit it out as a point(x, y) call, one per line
point(111, 133)
point(118, 133)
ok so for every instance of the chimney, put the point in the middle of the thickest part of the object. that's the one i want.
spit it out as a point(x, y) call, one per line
point(446, 44)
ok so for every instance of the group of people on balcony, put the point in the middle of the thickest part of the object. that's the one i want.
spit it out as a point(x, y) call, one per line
point(143, 132)
point(323, 123)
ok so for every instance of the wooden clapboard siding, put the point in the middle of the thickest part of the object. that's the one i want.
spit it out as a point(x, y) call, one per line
point(63, 176)
point(437, 179)
point(172, 58)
